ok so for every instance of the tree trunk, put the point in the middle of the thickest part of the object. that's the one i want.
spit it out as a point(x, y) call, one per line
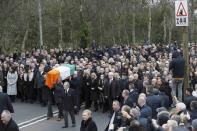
point(149, 23)
point(60, 24)
point(113, 37)
point(133, 24)
point(170, 33)
point(40, 23)
point(25, 39)
point(191, 31)
point(164, 28)
point(100, 28)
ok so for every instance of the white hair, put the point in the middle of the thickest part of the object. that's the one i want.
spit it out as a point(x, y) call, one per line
point(172, 123)
point(181, 106)
point(6, 114)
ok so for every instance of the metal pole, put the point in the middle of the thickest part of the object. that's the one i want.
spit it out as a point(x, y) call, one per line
point(40, 23)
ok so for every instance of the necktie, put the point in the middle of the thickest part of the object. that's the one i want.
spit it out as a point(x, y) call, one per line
point(27, 77)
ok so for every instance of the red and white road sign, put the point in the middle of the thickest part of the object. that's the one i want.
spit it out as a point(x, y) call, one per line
point(181, 13)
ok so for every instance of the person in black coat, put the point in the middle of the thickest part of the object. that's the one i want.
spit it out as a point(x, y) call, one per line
point(177, 66)
point(189, 98)
point(20, 84)
point(69, 104)
point(138, 83)
point(87, 124)
point(86, 88)
point(112, 89)
point(153, 100)
point(75, 84)
point(94, 93)
point(5, 104)
point(145, 111)
point(102, 101)
point(193, 112)
point(127, 100)
point(58, 95)
point(8, 123)
point(133, 94)
point(116, 118)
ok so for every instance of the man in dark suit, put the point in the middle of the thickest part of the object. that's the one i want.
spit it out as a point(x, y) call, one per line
point(145, 111)
point(87, 124)
point(126, 99)
point(116, 118)
point(153, 100)
point(5, 104)
point(189, 98)
point(8, 123)
point(69, 104)
point(133, 94)
point(138, 83)
point(75, 84)
point(112, 90)
point(58, 95)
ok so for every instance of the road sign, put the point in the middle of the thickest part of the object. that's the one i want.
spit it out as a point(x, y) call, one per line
point(181, 13)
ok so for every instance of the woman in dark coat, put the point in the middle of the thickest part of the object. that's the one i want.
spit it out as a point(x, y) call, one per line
point(94, 93)
point(20, 84)
point(87, 124)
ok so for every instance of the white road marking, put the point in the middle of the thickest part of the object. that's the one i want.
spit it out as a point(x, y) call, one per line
point(35, 120)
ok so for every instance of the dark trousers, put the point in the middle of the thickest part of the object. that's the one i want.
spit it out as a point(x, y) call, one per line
point(72, 115)
point(12, 97)
point(60, 109)
point(87, 101)
point(30, 94)
point(39, 94)
point(105, 105)
point(44, 95)
point(49, 105)
point(95, 105)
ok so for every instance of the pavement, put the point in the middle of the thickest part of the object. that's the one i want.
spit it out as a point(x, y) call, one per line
point(32, 117)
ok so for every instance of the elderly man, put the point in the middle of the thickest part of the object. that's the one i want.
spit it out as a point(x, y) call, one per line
point(111, 90)
point(5, 104)
point(87, 124)
point(181, 110)
point(69, 104)
point(145, 110)
point(8, 123)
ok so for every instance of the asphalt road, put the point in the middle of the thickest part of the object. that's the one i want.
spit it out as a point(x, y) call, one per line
point(31, 117)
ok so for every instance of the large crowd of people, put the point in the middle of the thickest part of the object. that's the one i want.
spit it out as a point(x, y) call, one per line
point(140, 86)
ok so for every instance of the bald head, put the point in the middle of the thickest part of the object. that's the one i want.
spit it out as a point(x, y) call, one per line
point(6, 117)
point(141, 101)
point(135, 76)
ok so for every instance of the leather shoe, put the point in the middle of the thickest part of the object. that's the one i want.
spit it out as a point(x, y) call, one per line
point(59, 119)
point(65, 127)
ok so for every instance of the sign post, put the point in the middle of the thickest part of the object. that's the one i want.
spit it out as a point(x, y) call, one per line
point(182, 21)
